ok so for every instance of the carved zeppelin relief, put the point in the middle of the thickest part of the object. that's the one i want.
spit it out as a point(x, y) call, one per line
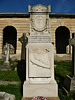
point(39, 60)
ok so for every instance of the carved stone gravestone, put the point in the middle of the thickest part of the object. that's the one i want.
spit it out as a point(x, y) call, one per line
point(39, 56)
point(6, 65)
point(69, 82)
point(24, 41)
point(6, 49)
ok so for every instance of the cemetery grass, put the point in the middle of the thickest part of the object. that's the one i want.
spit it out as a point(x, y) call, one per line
point(9, 75)
point(61, 70)
point(12, 89)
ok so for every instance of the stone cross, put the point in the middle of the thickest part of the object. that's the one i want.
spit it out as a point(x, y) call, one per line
point(73, 53)
point(69, 82)
point(24, 41)
point(7, 52)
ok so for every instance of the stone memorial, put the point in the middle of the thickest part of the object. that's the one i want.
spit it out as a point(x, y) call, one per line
point(6, 65)
point(39, 56)
point(6, 96)
point(6, 49)
point(69, 82)
point(24, 41)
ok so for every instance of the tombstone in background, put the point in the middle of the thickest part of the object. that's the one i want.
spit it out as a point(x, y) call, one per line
point(39, 56)
point(6, 65)
point(69, 82)
point(67, 49)
point(6, 49)
point(11, 47)
point(24, 41)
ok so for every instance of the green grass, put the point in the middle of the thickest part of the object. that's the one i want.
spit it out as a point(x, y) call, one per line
point(1, 62)
point(61, 70)
point(13, 64)
point(12, 89)
point(9, 75)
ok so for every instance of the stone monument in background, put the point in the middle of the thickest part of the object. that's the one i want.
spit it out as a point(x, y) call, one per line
point(6, 65)
point(69, 82)
point(24, 41)
point(39, 56)
point(7, 53)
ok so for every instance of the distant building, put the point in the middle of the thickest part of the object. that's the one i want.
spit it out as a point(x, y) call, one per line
point(13, 25)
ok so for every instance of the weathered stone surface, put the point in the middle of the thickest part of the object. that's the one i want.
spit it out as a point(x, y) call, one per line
point(39, 39)
point(63, 57)
point(50, 98)
point(5, 66)
point(6, 96)
point(40, 89)
point(7, 53)
point(39, 20)
point(40, 61)
point(39, 57)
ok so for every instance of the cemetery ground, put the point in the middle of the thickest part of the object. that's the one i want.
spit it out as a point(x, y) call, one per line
point(10, 81)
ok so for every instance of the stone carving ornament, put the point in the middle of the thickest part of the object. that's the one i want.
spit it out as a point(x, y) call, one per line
point(39, 8)
point(39, 20)
point(39, 23)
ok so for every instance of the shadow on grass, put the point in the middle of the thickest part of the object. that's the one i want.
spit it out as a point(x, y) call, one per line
point(21, 69)
point(60, 80)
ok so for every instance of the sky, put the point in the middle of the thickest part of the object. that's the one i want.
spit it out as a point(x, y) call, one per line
point(57, 6)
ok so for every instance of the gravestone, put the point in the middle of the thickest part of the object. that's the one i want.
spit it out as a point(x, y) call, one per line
point(69, 82)
point(24, 41)
point(6, 96)
point(7, 52)
point(6, 65)
point(39, 56)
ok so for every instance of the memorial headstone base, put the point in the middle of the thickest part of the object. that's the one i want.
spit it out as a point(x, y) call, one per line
point(50, 98)
point(40, 89)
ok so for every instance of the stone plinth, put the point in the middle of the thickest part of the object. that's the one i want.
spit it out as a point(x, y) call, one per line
point(50, 98)
point(40, 89)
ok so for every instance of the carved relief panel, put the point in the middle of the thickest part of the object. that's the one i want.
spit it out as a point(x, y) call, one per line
point(39, 20)
point(40, 60)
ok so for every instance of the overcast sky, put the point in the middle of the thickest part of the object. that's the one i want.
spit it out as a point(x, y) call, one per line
point(57, 6)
